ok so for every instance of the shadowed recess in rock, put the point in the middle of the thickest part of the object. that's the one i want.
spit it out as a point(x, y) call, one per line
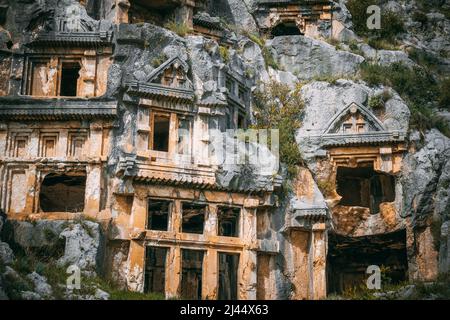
point(62, 193)
point(349, 258)
point(364, 187)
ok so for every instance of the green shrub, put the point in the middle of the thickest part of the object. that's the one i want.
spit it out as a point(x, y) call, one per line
point(159, 60)
point(269, 59)
point(424, 58)
point(277, 106)
point(224, 54)
point(376, 102)
point(416, 86)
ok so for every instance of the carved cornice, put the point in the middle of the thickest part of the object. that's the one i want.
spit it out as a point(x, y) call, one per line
point(328, 140)
point(76, 39)
point(29, 108)
point(148, 90)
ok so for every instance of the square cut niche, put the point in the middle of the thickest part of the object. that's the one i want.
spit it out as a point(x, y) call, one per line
point(364, 187)
point(159, 214)
point(77, 143)
point(228, 276)
point(193, 217)
point(228, 218)
point(17, 187)
point(48, 142)
point(19, 146)
point(191, 274)
point(155, 269)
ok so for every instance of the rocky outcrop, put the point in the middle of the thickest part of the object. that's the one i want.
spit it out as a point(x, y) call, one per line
point(70, 242)
point(425, 182)
point(41, 287)
point(82, 246)
point(309, 58)
point(426, 178)
point(6, 254)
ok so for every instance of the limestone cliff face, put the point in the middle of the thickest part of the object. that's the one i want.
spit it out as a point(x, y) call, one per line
point(293, 235)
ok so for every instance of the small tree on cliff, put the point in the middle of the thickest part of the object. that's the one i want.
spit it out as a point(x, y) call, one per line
point(277, 106)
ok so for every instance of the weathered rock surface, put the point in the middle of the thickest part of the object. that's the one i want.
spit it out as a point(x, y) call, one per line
point(426, 178)
point(30, 295)
point(82, 245)
point(309, 58)
point(6, 253)
point(41, 233)
point(101, 295)
point(41, 287)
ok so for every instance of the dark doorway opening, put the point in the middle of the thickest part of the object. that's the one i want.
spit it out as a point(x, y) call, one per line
point(193, 217)
point(349, 257)
point(161, 129)
point(364, 187)
point(62, 193)
point(158, 214)
point(155, 270)
point(285, 29)
point(228, 269)
point(191, 278)
point(70, 72)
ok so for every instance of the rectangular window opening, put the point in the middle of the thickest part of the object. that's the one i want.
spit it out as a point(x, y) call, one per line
point(158, 214)
point(228, 221)
point(193, 217)
point(184, 135)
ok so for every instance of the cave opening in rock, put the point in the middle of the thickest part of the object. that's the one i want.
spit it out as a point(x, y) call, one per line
point(158, 214)
point(191, 274)
point(228, 268)
point(228, 221)
point(364, 187)
point(288, 28)
point(155, 269)
point(193, 217)
point(349, 257)
point(62, 193)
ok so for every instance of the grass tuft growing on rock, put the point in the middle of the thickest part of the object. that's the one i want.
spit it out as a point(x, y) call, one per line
point(224, 54)
point(265, 51)
point(180, 29)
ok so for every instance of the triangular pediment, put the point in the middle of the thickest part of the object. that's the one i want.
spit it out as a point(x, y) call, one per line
point(354, 119)
point(172, 73)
